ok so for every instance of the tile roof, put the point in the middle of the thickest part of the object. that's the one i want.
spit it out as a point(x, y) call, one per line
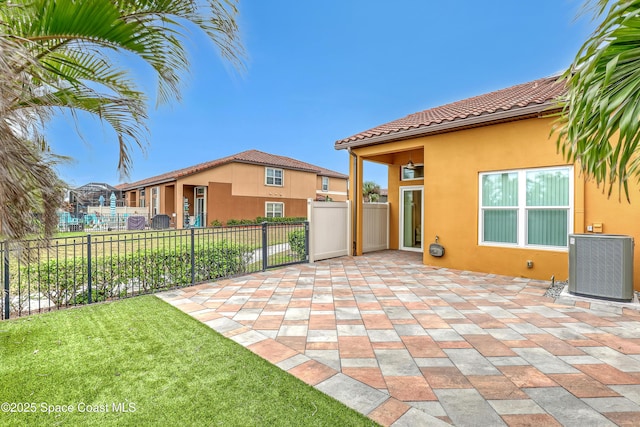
point(517, 100)
point(250, 156)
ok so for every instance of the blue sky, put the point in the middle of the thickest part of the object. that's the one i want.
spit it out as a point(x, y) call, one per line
point(319, 71)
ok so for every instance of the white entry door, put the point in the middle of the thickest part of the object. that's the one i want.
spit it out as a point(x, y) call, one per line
point(200, 207)
point(411, 218)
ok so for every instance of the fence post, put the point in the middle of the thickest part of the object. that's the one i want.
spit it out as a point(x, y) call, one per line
point(193, 256)
point(89, 278)
point(5, 247)
point(306, 241)
point(265, 247)
point(310, 219)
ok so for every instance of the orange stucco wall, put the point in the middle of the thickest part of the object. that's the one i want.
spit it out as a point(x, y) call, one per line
point(453, 162)
point(337, 189)
point(238, 191)
point(223, 205)
point(249, 180)
point(167, 198)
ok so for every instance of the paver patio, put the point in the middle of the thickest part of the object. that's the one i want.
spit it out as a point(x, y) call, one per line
point(408, 344)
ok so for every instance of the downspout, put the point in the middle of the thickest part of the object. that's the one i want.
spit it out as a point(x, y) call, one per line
point(354, 219)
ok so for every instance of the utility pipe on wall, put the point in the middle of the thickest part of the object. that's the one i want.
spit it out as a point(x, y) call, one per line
point(354, 219)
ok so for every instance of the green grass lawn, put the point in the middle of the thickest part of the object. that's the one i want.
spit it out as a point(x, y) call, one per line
point(161, 365)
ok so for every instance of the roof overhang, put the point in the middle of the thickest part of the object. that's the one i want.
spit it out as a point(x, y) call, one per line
point(529, 111)
point(147, 184)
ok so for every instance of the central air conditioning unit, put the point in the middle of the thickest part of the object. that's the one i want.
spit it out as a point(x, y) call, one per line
point(601, 266)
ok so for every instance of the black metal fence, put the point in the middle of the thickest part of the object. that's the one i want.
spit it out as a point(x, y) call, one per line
point(95, 222)
point(99, 267)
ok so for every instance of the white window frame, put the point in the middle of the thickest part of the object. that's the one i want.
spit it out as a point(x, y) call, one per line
point(403, 167)
point(155, 200)
point(200, 193)
point(142, 199)
point(522, 209)
point(266, 209)
point(273, 178)
point(325, 184)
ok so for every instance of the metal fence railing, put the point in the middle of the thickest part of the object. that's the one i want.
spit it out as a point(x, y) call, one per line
point(78, 270)
point(95, 222)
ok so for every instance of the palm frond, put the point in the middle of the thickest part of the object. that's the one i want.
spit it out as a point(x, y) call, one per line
point(59, 55)
point(600, 124)
point(29, 186)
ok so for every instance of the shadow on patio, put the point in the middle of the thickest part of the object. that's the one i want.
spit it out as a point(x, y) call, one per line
point(409, 344)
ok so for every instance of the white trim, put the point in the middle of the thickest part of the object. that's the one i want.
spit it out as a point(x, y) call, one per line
point(335, 193)
point(401, 221)
point(266, 169)
point(155, 200)
point(275, 203)
point(403, 167)
point(322, 178)
point(522, 209)
point(202, 197)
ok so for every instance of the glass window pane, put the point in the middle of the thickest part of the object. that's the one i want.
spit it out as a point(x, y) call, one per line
point(500, 189)
point(274, 176)
point(416, 173)
point(325, 183)
point(548, 188)
point(547, 227)
point(275, 210)
point(500, 225)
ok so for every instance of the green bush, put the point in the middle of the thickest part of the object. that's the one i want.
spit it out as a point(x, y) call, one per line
point(262, 219)
point(231, 222)
point(66, 281)
point(297, 244)
point(215, 223)
point(58, 280)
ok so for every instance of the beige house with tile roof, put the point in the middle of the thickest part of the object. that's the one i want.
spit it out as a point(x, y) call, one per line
point(246, 185)
point(484, 178)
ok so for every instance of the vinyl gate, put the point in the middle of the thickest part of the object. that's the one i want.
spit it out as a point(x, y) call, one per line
point(329, 229)
point(375, 227)
point(330, 232)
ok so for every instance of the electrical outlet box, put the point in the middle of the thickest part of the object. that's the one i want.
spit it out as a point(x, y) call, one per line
point(590, 228)
point(597, 227)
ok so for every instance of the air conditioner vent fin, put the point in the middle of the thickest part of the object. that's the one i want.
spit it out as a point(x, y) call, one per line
point(601, 266)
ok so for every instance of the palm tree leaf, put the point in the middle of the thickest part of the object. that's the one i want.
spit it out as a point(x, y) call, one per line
point(599, 126)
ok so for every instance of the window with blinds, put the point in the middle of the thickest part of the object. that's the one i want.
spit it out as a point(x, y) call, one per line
point(531, 207)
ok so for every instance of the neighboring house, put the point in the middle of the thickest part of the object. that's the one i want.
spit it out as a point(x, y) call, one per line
point(484, 177)
point(384, 195)
point(84, 197)
point(246, 185)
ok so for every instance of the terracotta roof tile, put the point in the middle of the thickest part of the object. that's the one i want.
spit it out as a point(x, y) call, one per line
point(250, 156)
point(538, 92)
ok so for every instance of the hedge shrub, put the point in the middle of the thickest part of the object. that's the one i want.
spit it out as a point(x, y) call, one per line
point(65, 281)
point(262, 219)
point(231, 222)
point(297, 244)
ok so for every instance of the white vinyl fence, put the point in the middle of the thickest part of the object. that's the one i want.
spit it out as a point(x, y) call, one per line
point(375, 227)
point(330, 228)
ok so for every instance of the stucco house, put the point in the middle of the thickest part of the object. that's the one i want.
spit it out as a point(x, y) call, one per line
point(246, 185)
point(484, 177)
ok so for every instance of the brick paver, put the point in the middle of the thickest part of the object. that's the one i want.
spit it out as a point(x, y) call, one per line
point(410, 344)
